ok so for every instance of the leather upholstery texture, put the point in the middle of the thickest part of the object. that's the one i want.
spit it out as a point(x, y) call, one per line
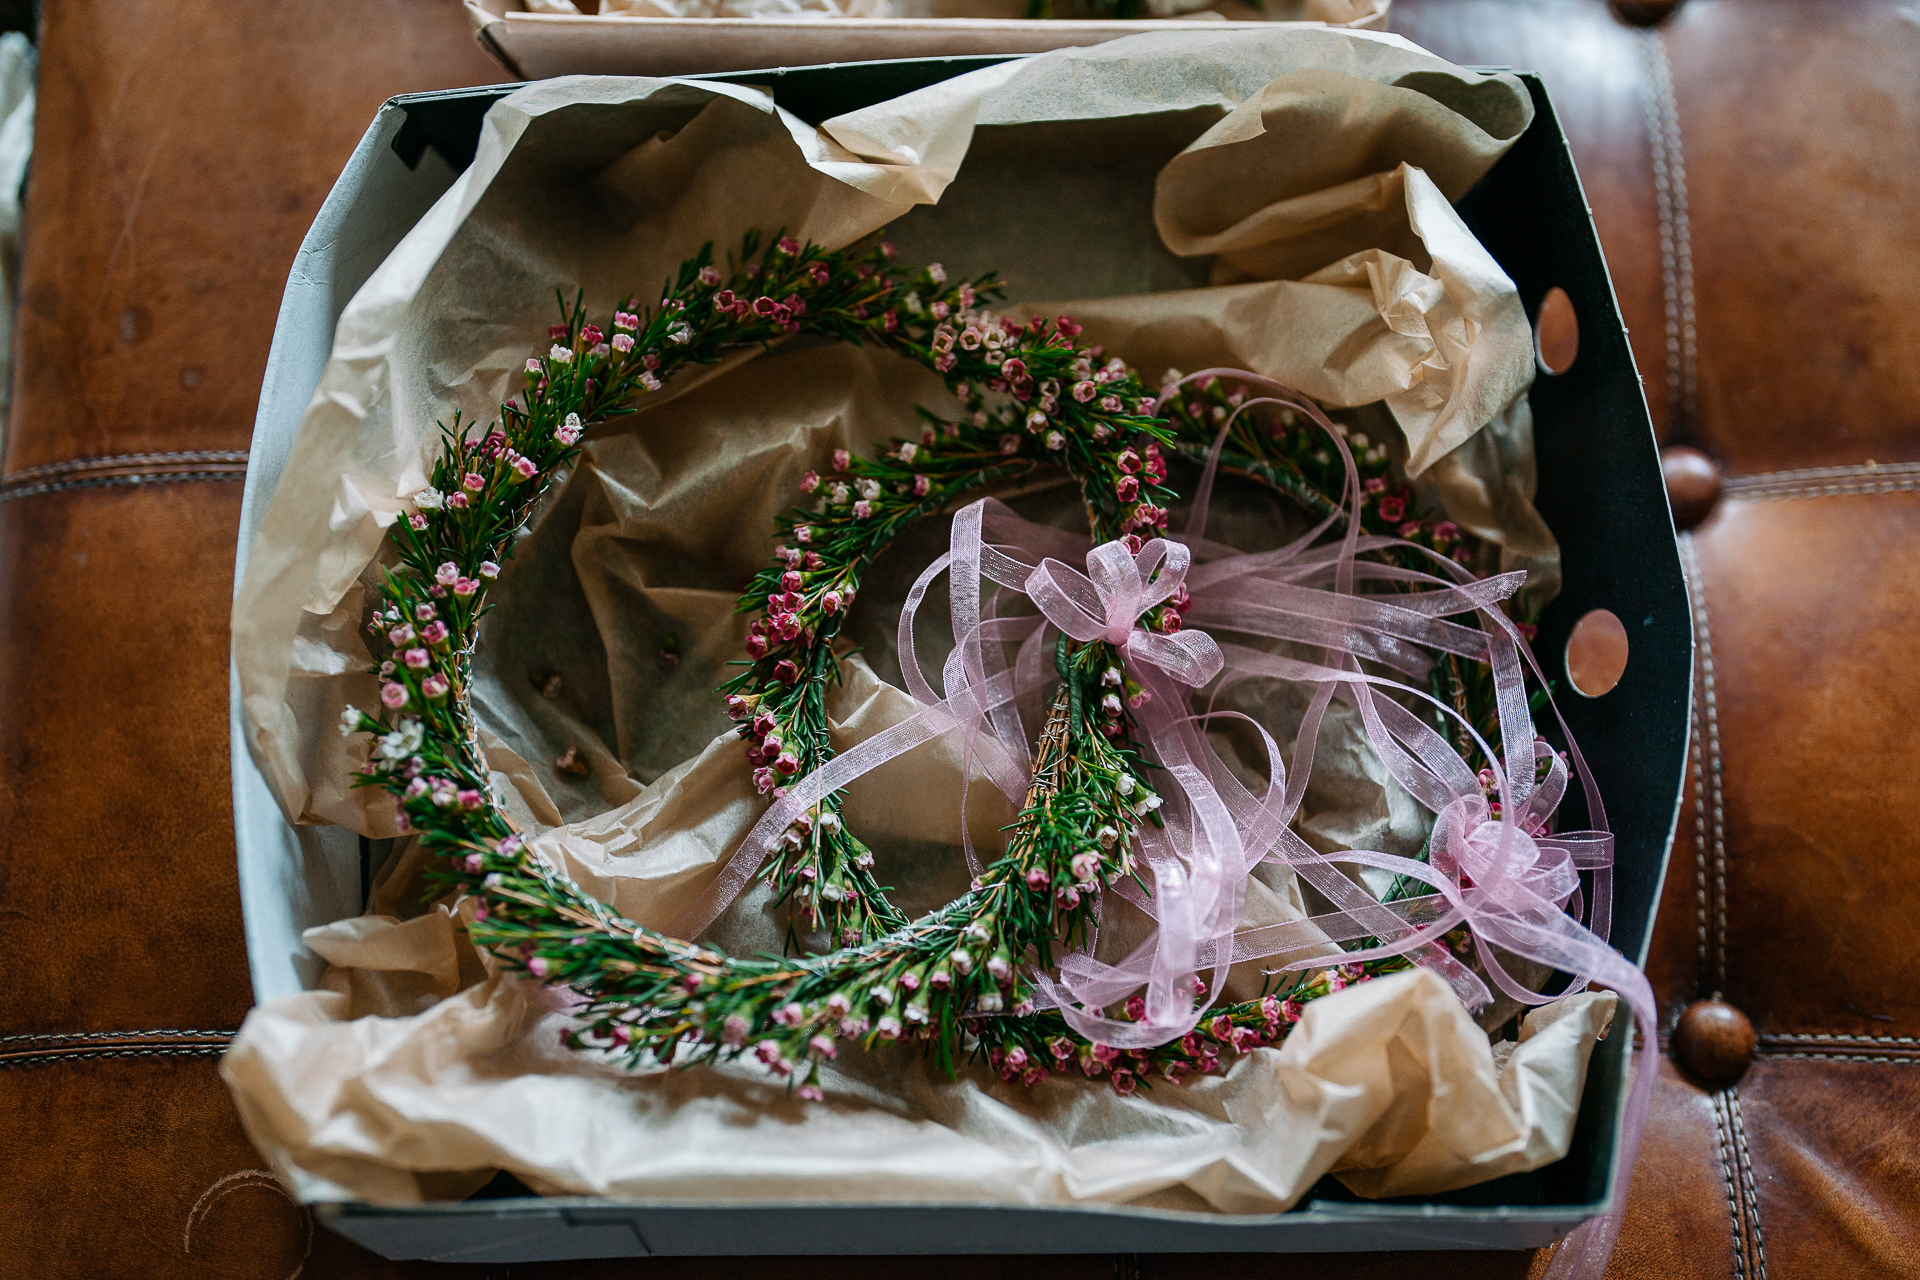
point(1753, 166)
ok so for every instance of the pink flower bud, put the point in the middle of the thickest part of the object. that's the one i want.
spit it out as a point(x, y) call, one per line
point(470, 799)
point(447, 574)
point(920, 486)
point(393, 695)
point(402, 634)
point(525, 467)
point(418, 659)
point(435, 686)
point(1037, 879)
point(763, 780)
point(434, 633)
point(841, 459)
point(822, 1045)
point(809, 482)
point(473, 482)
point(464, 587)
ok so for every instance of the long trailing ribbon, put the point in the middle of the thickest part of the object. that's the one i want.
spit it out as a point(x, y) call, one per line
point(1505, 878)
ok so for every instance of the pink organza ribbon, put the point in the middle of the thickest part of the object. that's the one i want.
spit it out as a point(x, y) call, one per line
point(1504, 878)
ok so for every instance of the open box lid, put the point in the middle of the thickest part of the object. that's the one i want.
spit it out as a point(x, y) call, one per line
point(537, 45)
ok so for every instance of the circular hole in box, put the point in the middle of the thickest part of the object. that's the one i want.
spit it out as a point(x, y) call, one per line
point(1556, 333)
point(1597, 653)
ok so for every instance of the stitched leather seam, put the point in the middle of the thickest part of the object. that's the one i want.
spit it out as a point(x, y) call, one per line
point(51, 1037)
point(1696, 752)
point(115, 481)
point(1724, 1149)
point(39, 1049)
point(1676, 240)
point(1759, 493)
point(30, 1058)
point(1886, 1060)
point(126, 462)
point(1713, 800)
point(1749, 1191)
point(1835, 1037)
point(1822, 482)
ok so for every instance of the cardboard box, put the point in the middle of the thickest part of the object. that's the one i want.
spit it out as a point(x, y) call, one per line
point(1600, 491)
point(537, 45)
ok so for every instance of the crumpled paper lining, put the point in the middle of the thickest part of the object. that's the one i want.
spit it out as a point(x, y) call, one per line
point(411, 1069)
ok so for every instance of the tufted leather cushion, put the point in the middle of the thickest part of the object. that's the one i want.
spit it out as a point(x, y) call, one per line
point(1753, 165)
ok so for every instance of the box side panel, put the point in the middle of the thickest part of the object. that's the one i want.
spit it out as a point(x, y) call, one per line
point(293, 878)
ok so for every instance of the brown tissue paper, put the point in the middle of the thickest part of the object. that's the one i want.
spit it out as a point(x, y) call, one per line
point(1278, 200)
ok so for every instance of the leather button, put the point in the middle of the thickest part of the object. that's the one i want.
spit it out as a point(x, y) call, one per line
point(1643, 13)
point(1693, 484)
point(1713, 1043)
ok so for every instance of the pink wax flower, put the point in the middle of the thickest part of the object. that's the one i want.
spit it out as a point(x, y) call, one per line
point(434, 686)
point(1392, 508)
point(785, 671)
point(1124, 1083)
point(787, 245)
point(473, 482)
point(459, 501)
point(418, 659)
point(447, 574)
point(756, 646)
point(920, 486)
point(830, 603)
point(417, 521)
point(533, 365)
point(823, 1045)
point(709, 276)
point(803, 534)
point(1127, 489)
point(434, 633)
point(591, 335)
point(1446, 531)
point(464, 587)
point(1375, 485)
point(862, 509)
point(819, 273)
point(489, 570)
point(809, 482)
point(472, 863)
point(841, 459)
point(525, 467)
point(402, 634)
point(1128, 461)
point(393, 695)
point(786, 764)
point(469, 799)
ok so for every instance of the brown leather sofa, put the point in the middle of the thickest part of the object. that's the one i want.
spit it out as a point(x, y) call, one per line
point(1754, 166)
